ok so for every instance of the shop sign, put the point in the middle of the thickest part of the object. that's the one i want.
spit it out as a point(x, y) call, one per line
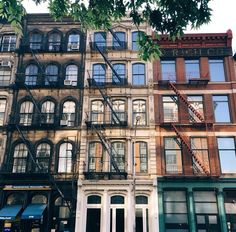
point(26, 187)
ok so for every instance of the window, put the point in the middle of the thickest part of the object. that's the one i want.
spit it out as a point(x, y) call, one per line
point(36, 41)
point(96, 161)
point(139, 112)
point(31, 74)
point(138, 74)
point(170, 108)
point(119, 109)
point(43, 157)
point(72, 74)
point(73, 42)
point(117, 214)
point(141, 157)
point(120, 69)
point(217, 72)
point(135, 45)
point(119, 40)
point(200, 149)
point(173, 156)
point(48, 112)
point(99, 73)
point(5, 77)
point(51, 74)
point(39, 199)
point(15, 199)
point(118, 153)
point(230, 209)
point(197, 103)
point(168, 70)
point(221, 108)
point(54, 42)
point(20, 158)
point(94, 199)
point(26, 113)
point(207, 217)
point(8, 43)
point(97, 113)
point(227, 153)
point(175, 211)
point(65, 158)
point(3, 103)
point(100, 40)
point(192, 69)
point(68, 113)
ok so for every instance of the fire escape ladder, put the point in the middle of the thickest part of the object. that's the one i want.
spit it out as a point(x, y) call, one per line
point(198, 163)
point(195, 112)
point(115, 36)
point(107, 146)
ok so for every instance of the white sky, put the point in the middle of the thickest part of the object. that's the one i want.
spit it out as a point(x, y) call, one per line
point(223, 16)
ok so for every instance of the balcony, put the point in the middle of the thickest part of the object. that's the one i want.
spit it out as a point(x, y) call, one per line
point(108, 45)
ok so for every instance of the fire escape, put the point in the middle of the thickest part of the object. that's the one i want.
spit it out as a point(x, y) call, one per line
point(197, 119)
point(112, 118)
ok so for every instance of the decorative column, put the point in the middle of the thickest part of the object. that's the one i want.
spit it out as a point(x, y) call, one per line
point(221, 207)
point(161, 210)
point(191, 211)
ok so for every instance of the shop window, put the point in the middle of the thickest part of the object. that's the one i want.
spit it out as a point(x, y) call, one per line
point(73, 42)
point(227, 153)
point(39, 199)
point(8, 43)
point(68, 113)
point(65, 158)
point(217, 72)
point(20, 158)
point(192, 69)
point(3, 103)
point(96, 162)
point(48, 112)
point(139, 113)
point(71, 75)
point(175, 211)
point(173, 156)
point(138, 74)
point(170, 108)
point(141, 157)
point(168, 70)
point(31, 74)
point(5, 77)
point(197, 103)
point(118, 153)
point(99, 73)
point(119, 109)
point(119, 40)
point(97, 113)
point(15, 199)
point(51, 75)
point(54, 42)
point(121, 71)
point(141, 214)
point(221, 108)
point(43, 157)
point(26, 113)
point(100, 40)
point(36, 41)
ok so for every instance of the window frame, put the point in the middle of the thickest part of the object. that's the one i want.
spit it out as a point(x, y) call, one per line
point(142, 114)
point(221, 69)
point(140, 159)
point(139, 77)
point(20, 159)
point(11, 46)
point(46, 158)
point(173, 74)
point(175, 109)
point(67, 156)
point(192, 64)
point(69, 117)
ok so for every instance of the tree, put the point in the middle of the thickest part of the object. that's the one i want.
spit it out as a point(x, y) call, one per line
point(169, 17)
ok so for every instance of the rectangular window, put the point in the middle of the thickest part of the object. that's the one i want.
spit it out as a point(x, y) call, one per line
point(175, 211)
point(217, 72)
point(3, 103)
point(5, 77)
point(8, 43)
point(173, 156)
point(170, 108)
point(141, 158)
point(197, 103)
point(221, 108)
point(192, 69)
point(168, 70)
point(227, 153)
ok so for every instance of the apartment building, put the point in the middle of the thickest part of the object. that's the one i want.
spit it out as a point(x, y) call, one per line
point(194, 92)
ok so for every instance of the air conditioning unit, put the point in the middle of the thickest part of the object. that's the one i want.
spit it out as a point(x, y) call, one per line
point(67, 82)
point(5, 63)
point(74, 47)
point(64, 122)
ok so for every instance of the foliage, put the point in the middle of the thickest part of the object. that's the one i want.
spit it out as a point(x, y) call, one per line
point(164, 16)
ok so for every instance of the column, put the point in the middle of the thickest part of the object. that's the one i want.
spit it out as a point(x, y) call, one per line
point(191, 211)
point(221, 207)
point(161, 210)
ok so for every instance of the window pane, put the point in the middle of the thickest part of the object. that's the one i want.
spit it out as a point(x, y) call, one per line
point(141, 200)
point(8, 43)
point(51, 76)
point(221, 109)
point(100, 39)
point(168, 70)
point(68, 113)
point(217, 70)
point(192, 69)
point(2, 110)
point(121, 71)
point(197, 103)
point(54, 42)
point(119, 40)
point(72, 74)
point(118, 152)
point(139, 112)
point(31, 74)
point(99, 73)
point(65, 158)
point(170, 108)
point(36, 41)
point(95, 157)
point(135, 45)
point(117, 200)
point(73, 42)
point(140, 150)
point(138, 74)
point(94, 199)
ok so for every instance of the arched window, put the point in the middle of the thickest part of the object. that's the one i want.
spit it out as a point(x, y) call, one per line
point(39, 199)
point(68, 113)
point(100, 40)
point(118, 153)
point(139, 112)
point(119, 40)
point(43, 157)
point(119, 109)
point(97, 113)
point(54, 42)
point(20, 158)
point(26, 113)
point(73, 42)
point(72, 74)
point(48, 112)
point(15, 199)
point(36, 41)
point(140, 153)
point(94, 199)
point(121, 71)
point(138, 74)
point(31, 74)
point(65, 158)
point(51, 76)
point(96, 161)
point(99, 73)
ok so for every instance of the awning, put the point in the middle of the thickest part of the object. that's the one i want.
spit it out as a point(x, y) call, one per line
point(33, 211)
point(9, 212)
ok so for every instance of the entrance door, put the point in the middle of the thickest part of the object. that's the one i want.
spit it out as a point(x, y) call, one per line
point(93, 220)
point(117, 220)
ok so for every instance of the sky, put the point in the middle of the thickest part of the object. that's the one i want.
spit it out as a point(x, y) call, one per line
point(223, 17)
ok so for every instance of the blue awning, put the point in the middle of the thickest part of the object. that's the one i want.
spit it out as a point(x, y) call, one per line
point(9, 212)
point(33, 211)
